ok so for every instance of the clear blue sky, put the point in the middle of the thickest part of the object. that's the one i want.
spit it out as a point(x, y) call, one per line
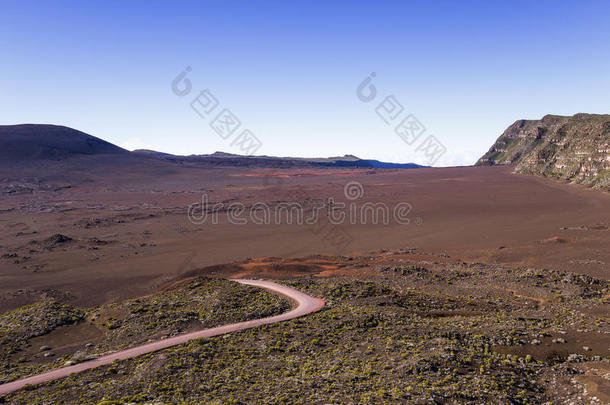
point(289, 70)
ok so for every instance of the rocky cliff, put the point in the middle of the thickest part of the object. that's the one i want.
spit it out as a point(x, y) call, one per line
point(575, 149)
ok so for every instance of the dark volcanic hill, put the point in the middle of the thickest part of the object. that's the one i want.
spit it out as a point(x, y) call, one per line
point(33, 141)
point(576, 149)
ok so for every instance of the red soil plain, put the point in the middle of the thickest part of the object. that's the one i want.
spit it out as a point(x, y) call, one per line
point(91, 230)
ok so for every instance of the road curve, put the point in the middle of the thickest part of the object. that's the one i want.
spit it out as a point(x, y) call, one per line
point(305, 305)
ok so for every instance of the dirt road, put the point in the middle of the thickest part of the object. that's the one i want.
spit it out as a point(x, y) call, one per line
point(305, 305)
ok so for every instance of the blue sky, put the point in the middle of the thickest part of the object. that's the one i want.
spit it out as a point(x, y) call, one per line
point(289, 70)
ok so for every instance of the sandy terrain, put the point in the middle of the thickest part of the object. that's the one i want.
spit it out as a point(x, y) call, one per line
point(124, 231)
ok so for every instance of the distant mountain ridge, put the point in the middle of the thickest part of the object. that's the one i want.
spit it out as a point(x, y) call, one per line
point(229, 159)
point(42, 142)
point(575, 149)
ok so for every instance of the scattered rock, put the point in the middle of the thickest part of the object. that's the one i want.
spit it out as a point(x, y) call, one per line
point(554, 239)
point(57, 239)
point(575, 358)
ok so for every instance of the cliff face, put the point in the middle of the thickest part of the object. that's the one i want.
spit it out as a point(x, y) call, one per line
point(576, 149)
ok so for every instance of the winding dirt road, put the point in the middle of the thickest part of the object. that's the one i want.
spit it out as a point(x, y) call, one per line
point(305, 305)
